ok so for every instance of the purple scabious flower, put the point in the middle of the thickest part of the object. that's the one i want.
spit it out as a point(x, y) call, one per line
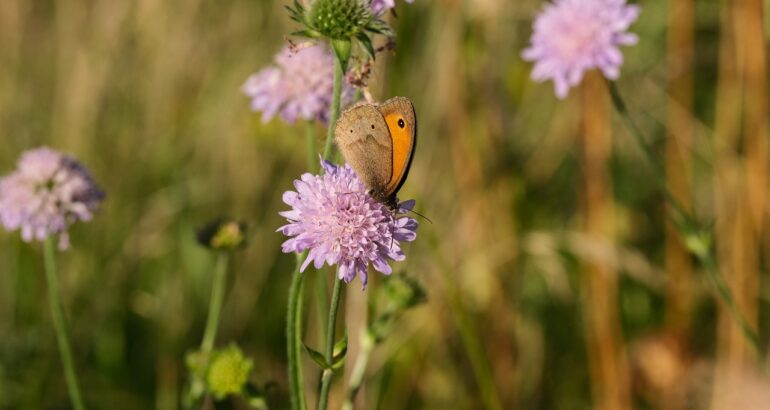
point(46, 194)
point(380, 6)
point(298, 85)
point(571, 37)
point(334, 217)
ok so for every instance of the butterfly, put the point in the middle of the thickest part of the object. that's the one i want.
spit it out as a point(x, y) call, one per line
point(378, 141)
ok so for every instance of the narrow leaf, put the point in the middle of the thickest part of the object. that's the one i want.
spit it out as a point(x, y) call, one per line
point(367, 43)
point(317, 357)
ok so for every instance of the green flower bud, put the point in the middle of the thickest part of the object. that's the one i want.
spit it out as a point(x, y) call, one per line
point(699, 243)
point(402, 292)
point(342, 22)
point(223, 234)
point(339, 19)
point(228, 372)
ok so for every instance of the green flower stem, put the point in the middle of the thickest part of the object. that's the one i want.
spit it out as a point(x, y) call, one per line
point(215, 304)
point(57, 314)
point(312, 153)
point(687, 224)
point(335, 107)
point(294, 337)
point(326, 377)
point(357, 376)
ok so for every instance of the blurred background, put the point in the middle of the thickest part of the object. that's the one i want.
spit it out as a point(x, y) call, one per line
point(554, 280)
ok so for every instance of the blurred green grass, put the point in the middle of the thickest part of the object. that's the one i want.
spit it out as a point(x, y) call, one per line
point(146, 94)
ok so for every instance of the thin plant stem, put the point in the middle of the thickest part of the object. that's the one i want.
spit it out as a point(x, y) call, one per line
point(294, 337)
point(707, 260)
point(215, 304)
point(57, 314)
point(326, 377)
point(686, 223)
point(359, 369)
point(660, 175)
point(337, 91)
point(312, 153)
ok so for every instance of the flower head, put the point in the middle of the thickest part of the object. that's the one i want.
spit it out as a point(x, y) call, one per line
point(334, 217)
point(46, 194)
point(228, 372)
point(298, 85)
point(343, 22)
point(380, 6)
point(573, 36)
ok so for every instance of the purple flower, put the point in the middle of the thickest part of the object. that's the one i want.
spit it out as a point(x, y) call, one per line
point(46, 194)
point(335, 218)
point(380, 6)
point(298, 85)
point(573, 36)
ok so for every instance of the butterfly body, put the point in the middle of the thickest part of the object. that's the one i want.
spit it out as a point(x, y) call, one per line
point(378, 141)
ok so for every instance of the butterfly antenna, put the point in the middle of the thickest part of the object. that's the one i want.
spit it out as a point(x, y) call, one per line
point(421, 216)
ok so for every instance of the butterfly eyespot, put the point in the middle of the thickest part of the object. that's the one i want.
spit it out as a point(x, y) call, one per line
point(401, 123)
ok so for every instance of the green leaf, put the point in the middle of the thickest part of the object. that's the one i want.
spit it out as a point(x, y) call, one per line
point(317, 357)
point(307, 33)
point(297, 13)
point(340, 350)
point(380, 27)
point(338, 362)
point(367, 43)
point(341, 346)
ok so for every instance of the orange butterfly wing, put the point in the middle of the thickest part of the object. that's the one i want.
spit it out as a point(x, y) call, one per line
point(402, 124)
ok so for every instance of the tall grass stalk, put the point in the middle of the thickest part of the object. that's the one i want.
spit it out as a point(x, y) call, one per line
point(60, 325)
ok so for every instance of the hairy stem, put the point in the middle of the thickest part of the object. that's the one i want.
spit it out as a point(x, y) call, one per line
point(294, 337)
point(326, 377)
